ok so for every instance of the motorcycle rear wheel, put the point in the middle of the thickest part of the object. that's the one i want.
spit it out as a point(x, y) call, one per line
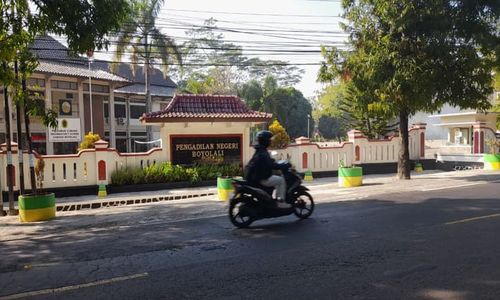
point(303, 205)
point(238, 212)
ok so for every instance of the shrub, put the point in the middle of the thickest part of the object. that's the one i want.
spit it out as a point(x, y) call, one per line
point(89, 141)
point(281, 138)
point(166, 172)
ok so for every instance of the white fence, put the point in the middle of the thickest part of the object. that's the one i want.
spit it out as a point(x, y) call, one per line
point(86, 168)
point(95, 166)
point(359, 149)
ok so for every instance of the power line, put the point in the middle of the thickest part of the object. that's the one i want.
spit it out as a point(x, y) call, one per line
point(252, 14)
point(83, 62)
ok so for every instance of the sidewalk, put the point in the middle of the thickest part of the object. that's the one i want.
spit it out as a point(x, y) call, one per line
point(320, 188)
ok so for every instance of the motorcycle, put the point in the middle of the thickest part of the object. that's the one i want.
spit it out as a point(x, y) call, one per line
point(254, 202)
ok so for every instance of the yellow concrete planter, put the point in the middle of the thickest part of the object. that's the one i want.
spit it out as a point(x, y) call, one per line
point(224, 188)
point(419, 168)
point(34, 208)
point(492, 161)
point(349, 177)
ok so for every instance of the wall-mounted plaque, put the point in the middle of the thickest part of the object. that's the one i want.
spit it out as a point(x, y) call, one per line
point(189, 149)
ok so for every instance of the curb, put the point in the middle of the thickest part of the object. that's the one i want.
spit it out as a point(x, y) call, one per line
point(109, 203)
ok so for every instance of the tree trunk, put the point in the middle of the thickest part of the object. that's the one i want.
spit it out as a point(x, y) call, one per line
point(34, 189)
point(19, 138)
point(404, 153)
point(10, 167)
point(149, 107)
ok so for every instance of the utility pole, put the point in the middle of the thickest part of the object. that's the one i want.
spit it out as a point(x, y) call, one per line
point(308, 131)
point(90, 55)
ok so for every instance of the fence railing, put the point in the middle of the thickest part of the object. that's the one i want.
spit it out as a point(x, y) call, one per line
point(318, 157)
point(87, 167)
point(95, 166)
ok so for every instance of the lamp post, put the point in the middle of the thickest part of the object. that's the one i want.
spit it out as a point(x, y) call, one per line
point(308, 117)
point(90, 56)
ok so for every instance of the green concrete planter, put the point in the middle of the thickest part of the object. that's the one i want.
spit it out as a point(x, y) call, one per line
point(224, 188)
point(349, 177)
point(492, 161)
point(34, 208)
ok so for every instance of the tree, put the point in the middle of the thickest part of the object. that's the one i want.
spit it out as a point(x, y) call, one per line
point(85, 24)
point(416, 56)
point(342, 108)
point(146, 44)
point(331, 127)
point(208, 53)
point(291, 109)
point(252, 93)
point(218, 81)
point(496, 108)
point(280, 137)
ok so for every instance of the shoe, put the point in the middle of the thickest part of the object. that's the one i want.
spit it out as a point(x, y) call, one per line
point(282, 204)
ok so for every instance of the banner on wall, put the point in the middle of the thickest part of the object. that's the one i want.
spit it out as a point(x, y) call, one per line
point(68, 130)
point(189, 150)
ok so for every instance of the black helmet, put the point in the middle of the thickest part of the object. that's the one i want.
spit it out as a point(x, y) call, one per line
point(264, 138)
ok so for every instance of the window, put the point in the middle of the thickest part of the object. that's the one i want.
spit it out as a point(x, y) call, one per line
point(460, 136)
point(141, 134)
point(65, 148)
point(120, 111)
point(136, 111)
point(38, 141)
point(121, 145)
point(36, 83)
point(96, 88)
point(64, 85)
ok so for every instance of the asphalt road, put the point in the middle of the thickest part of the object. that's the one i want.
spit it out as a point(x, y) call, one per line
point(440, 244)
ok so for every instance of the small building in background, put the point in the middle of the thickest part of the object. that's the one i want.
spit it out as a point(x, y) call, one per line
point(206, 129)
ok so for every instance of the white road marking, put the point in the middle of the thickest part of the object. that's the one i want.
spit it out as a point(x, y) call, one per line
point(452, 187)
point(73, 287)
point(472, 219)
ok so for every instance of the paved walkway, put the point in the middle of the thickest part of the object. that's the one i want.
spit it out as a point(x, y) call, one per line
point(321, 189)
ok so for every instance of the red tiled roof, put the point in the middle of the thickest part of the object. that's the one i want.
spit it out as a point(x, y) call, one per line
point(205, 108)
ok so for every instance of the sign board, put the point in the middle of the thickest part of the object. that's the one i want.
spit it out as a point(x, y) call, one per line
point(189, 150)
point(68, 130)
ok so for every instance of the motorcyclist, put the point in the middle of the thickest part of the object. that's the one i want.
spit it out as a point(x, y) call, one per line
point(259, 168)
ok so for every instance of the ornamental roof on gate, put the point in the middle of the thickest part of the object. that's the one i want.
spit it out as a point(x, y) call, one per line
point(205, 108)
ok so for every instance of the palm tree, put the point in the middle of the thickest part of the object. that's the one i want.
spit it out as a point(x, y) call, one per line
point(145, 43)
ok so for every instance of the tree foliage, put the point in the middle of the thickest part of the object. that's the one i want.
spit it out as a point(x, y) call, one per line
point(211, 59)
point(291, 109)
point(253, 93)
point(409, 56)
point(287, 104)
point(280, 136)
point(86, 25)
point(146, 43)
point(331, 127)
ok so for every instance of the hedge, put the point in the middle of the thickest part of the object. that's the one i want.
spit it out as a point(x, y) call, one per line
point(166, 172)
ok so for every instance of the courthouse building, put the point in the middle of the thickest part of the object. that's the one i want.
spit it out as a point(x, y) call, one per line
point(66, 84)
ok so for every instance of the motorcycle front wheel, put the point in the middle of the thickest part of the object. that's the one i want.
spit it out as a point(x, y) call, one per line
point(239, 212)
point(303, 205)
